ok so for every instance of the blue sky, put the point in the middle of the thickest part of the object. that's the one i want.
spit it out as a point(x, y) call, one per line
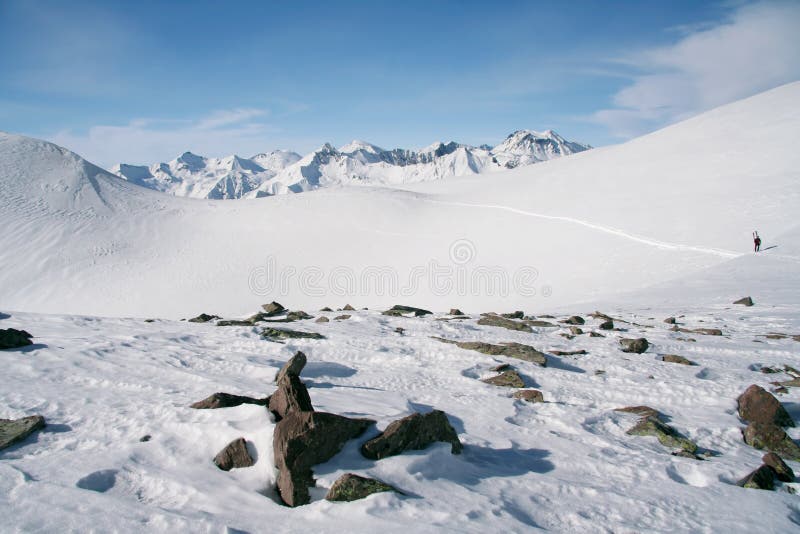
point(143, 81)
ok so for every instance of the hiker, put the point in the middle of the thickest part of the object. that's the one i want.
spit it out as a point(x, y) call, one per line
point(757, 241)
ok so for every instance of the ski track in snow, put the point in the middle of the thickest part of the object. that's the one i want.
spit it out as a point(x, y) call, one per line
point(607, 229)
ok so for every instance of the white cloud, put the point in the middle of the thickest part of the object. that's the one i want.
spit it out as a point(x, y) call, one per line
point(756, 49)
point(146, 141)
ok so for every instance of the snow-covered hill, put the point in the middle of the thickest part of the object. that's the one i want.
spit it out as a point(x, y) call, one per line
point(358, 162)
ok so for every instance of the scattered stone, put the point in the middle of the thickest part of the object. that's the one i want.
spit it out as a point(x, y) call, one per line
point(15, 430)
point(540, 324)
point(793, 383)
point(637, 346)
point(780, 390)
point(667, 436)
point(456, 311)
point(235, 322)
point(273, 308)
point(293, 366)
point(746, 301)
point(580, 352)
point(771, 437)
point(234, 454)
point(226, 400)
point(782, 471)
point(601, 315)
point(149, 320)
point(513, 315)
point(203, 318)
point(596, 334)
point(502, 322)
point(547, 317)
point(11, 338)
point(607, 325)
point(599, 372)
point(762, 478)
point(770, 370)
point(643, 411)
point(575, 330)
point(351, 487)
point(674, 358)
point(342, 317)
point(401, 311)
point(291, 396)
point(529, 395)
point(758, 405)
point(326, 309)
point(509, 349)
point(575, 319)
point(322, 319)
point(670, 320)
point(304, 439)
point(347, 307)
point(400, 330)
point(298, 315)
point(502, 367)
point(281, 333)
point(145, 438)
point(413, 432)
point(703, 331)
point(508, 379)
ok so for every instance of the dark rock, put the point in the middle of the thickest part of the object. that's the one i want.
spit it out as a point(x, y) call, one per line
point(601, 315)
point(414, 432)
point(580, 352)
point(145, 438)
point(291, 396)
point(637, 346)
point(203, 318)
point(508, 379)
point(511, 350)
point(667, 436)
point(347, 307)
point(575, 330)
point(400, 311)
point(540, 324)
point(596, 334)
point(351, 487)
point(226, 400)
point(502, 322)
point(529, 395)
point(762, 478)
point(304, 439)
point(342, 317)
point(771, 437)
point(273, 308)
point(294, 366)
point(298, 315)
point(746, 301)
point(11, 338)
point(769, 370)
point(282, 333)
point(15, 430)
point(782, 471)
point(513, 315)
point(234, 455)
point(322, 319)
point(326, 309)
point(456, 311)
point(235, 322)
point(607, 325)
point(575, 319)
point(685, 454)
point(674, 358)
point(400, 330)
point(149, 320)
point(566, 336)
point(757, 404)
point(643, 411)
point(793, 383)
point(670, 320)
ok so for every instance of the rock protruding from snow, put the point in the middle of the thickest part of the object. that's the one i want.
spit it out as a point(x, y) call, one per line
point(15, 430)
point(351, 487)
point(746, 301)
point(509, 349)
point(782, 471)
point(234, 455)
point(637, 346)
point(773, 438)
point(291, 396)
point(506, 379)
point(414, 432)
point(399, 310)
point(529, 395)
point(666, 435)
point(304, 439)
point(226, 400)
point(762, 478)
point(758, 405)
point(293, 367)
point(11, 338)
point(501, 322)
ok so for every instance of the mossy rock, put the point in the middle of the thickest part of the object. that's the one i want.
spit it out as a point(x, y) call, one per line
point(351, 487)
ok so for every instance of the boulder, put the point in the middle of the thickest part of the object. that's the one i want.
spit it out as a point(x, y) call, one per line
point(342, 317)
point(502, 367)
point(758, 405)
point(351, 487)
point(508, 379)
point(226, 400)
point(502, 322)
point(762, 478)
point(304, 439)
point(455, 311)
point(291, 396)
point(235, 322)
point(666, 435)
point(746, 301)
point(203, 318)
point(637, 346)
point(298, 315)
point(283, 333)
point(513, 315)
point(529, 395)
point(414, 432)
point(347, 307)
point(607, 325)
point(782, 471)
point(294, 366)
point(11, 338)
point(670, 320)
point(643, 411)
point(15, 430)
point(674, 358)
point(322, 319)
point(771, 437)
point(575, 330)
point(575, 319)
point(509, 349)
point(234, 454)
point(273, 308)
point(326, 309)
point(401, 311)
point(540, 324)
point(596, 334)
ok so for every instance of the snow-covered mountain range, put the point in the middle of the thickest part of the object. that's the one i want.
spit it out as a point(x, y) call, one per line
point(280, 172)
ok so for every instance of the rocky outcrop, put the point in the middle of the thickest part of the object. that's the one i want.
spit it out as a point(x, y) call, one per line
point(637, 346)
point(508, 379)
point(402, 311)
point(203, 318)
point(771, 437)
point(674, 358)
point(291, 396)
point(227, 400)
point(351, 487)
point(304, 439)
point(666, 435)
point(294, 366)
point(643, 411)
point(11, 338)
point(502, 322)
point(511, 350)
point(234, 455)
point(322, 319)
point(607, 325)
point(782, 471)
point(758, 405)
point(272, 309)
point(415, 432)
point(456, 311)
point(746, 301)
point(15, 430)
point(513, 315)
point(283, 333)
point(347, 307)
point(762, 478)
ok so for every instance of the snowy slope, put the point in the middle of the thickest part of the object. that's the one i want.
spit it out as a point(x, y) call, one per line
point(535, 237)
point(358, 162)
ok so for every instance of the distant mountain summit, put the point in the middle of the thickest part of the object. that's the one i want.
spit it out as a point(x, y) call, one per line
point(358, 162)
